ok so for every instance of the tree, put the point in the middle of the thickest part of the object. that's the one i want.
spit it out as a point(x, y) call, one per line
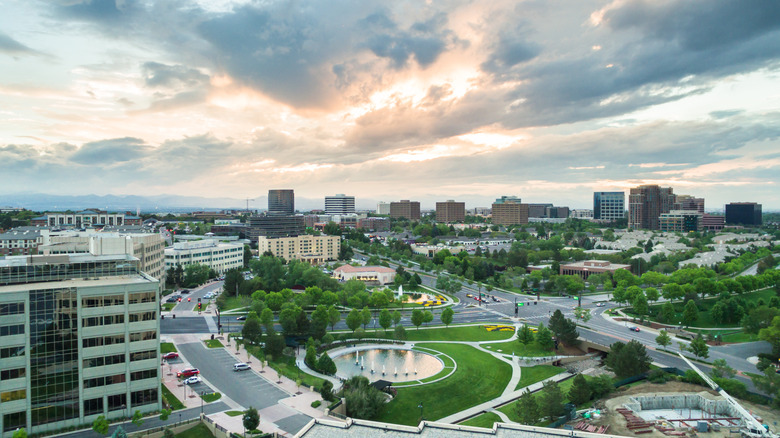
point(138, 418)
point(252, 330)
point(251, 419)
point(399, 333)
point(580, 391)
point(334, 316)
point(544, 338)
point(362, 400)
point(354, 319)
point(119, 433)
point(267, 318)
point(527, 409)
point(164, 414)
point(663, 339)
point(769, 382)
point(525, 336)
point(640, 305)
point(417, 318)
point(365, 317)
point(564, 329)
point(168, 433)
point(396, 317)
point(626, 360)
point(551, 404)
point(385, 319)
point(771, 334)
point(310, 359)
point(326, 365)
point(100, 425)
point(274, 344)
point(427, 317)
point(652, 294)
point(699, 347)
point(288, 319)
point(690, 313)
point(247, 255)
point(583, 314)
point(20, 433)
point(722, 369)
point(327, 391)
point(447, 315)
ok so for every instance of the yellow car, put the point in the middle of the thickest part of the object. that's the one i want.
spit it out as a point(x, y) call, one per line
point(469, 296)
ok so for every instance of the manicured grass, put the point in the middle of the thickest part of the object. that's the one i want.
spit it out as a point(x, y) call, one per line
point(531, 375)
point(171, 399)
point(213, 343)
point(168, 306)
point(521, 350)
point(479, 378)
point(511, 409)
point(233, 413)
point(285, 366)
point(167, 347)
point(214, 396)
point(454, 333)
point(740, 337)
point(484, 420)
point(199, 431)
point(234, 303)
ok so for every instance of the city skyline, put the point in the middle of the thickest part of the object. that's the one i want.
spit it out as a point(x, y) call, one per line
point(429, 102)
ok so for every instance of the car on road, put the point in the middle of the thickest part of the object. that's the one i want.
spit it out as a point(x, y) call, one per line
point(240, 367)
point(188, 372)
point(192, 380)
point(241, 318)
point(599, 304)
point(494, 299)
point(172, 299)
point(184, 291)
point(469, 296)
point(634, 329)
point(171, 355)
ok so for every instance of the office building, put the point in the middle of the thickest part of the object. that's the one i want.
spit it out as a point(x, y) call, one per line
point(609, 206)
point(219, 256)
point(690, 203)
point(85, 219)
point(369, 274)
point(711, 222)
point(450, 211)
point(405, 209)
point(508, 210)
point(340, 204)
point(682, 221)
point(556, 212)
point(538, 210)
point(743, 213)
point(80, 338)
point(586, 267)
point(308, 248)
point(581, 214)
point(276, 225)
point(281, 201)
point(383, 208)
point(647, 203)
point(374, 223)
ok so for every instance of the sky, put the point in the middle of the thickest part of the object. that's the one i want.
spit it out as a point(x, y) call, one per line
point(387, 100)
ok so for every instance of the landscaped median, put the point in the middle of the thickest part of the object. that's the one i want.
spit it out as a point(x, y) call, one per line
point(463, 333)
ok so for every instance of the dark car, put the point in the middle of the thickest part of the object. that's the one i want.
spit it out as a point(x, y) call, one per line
point(184, 291)
point(634, 329)
point(172, 299)
point(241, 318)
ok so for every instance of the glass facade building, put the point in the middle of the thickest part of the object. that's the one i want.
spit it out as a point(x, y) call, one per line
point(609, 206)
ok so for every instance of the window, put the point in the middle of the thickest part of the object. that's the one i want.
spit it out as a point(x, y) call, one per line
point(143, 316)
point(8, 396)
point(11, 309)
point(10, 330)
point(144, 297)
point(144, 397)
point(104, 360)
point(145, 374)
point(143, 336)
point(93, 406)
point(143, 355)
point(14, 373)
point(12, 352)
point(14, 420)
point(117, 402)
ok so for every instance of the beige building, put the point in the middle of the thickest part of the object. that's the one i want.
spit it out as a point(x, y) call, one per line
point(646, 204)
point(308, 248)
point(369, 274)
point(508, 210)
point(587, 267)
point(450, 211)
point(405, 209)
point(219, 256)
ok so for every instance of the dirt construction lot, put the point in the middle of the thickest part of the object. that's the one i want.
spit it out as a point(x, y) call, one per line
point(617, 423)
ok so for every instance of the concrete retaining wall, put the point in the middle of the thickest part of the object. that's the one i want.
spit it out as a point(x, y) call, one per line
point(692, 401)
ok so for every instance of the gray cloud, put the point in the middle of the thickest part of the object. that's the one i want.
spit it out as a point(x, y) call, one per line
point(12, 47)
point(162, 75)
point(107, 152)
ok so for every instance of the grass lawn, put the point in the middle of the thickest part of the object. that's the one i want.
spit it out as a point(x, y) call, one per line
point(214, 396)
point(234, 303)
point(484, 420)
point(453, 333)
point(213, 343)
point(168, 306)
point(171, 399)
point(521, 350)
point(740, 337)
point(531, 375)
point(234, 413)
point(511, 409)
point(479, 378)
point(167, 347)
point(199, 431)
point(284, 366)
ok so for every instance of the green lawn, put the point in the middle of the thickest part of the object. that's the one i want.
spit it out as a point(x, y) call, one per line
point(234, 413)
point(511, 409)
point(484, 420)
point(454, 333)
point(531, 375)
point(168, 306)
point(285, 366)
point(234, 303)
point(171, 399)
point(167, 347)
point(213, 343)
point(214, 396)
point(199, 431)
point(729, 335)
point(521, 350)
point(479, 378)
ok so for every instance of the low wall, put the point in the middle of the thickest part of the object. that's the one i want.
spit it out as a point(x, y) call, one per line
point(678, 401)
point(158, 432)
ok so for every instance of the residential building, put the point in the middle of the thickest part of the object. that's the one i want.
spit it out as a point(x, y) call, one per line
point(647, 203)
point(219, 256)
point(383, 208)
point(85, 218)
point(688, 202)
point(680, 221)
point(368, 274)
point(276, 225)
point(609, 206)
point(405, 209)
point(507, 210)
point(308, 248)
point(340, 204)
point(281, 201)
point(450, 211)
point(20, 242)
point(743, 213)
point(586, 267)
point(374, 223)
point(80, 339)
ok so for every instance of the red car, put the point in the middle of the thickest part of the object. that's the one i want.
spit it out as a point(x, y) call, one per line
point(634, 329)
point(188, 372)
point(171, 355)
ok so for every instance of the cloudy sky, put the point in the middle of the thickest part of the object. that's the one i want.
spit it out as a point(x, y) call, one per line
point(384, 100)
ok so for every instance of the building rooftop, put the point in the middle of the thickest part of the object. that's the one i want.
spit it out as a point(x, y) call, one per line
point(350, 268)
point(28, 260)
point(139, 278)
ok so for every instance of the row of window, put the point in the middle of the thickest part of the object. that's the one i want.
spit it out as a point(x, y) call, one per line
point(102, 301)
point(16, 351)
point(94, 321)
point(103, 360)
point(14, 373)
point(141, 375)
point(9, 396)
point(10, 330)
point(118, 339)
point(11, 309)
point(142, 297)
point(104, 380)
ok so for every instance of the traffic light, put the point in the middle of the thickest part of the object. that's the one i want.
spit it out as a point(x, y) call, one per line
point(198, 300)
point(520, 304)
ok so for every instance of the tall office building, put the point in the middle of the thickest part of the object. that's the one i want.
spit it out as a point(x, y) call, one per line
point(450, 211)
point(276, 225)
point(609, 206)
point(80, 338)
point(339, 204)
point(690, 203)
point(647, 203)
point(743, 213)
point(383, 208)
point(405, 209)
point(508, 210)
point(281, 201)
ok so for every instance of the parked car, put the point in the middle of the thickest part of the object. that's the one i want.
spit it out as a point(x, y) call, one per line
point(172, 299)
point(184, 291)
point(634, 329)
point(171, 355)
point(469, 296)
point(188, 372)
point(599, 304)
point(240, 367)
point(241, 318)
point(192, 380)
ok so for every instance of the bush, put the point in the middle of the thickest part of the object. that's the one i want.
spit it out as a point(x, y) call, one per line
point(326, 365)
point(327, 391)
point(363, 400)
point(692, 377)
point(316, 403)
point(658, 376)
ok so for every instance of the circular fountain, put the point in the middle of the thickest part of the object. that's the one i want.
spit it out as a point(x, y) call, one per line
point(385, 359)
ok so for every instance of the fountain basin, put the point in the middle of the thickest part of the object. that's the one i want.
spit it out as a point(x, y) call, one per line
point(391, 360)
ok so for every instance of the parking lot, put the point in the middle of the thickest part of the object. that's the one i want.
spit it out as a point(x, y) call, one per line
point(175, 365)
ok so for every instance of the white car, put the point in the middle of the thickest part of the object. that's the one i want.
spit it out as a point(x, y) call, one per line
point(192, 380)
point(599, 304)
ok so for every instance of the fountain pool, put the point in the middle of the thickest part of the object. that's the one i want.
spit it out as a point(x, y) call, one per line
point(398, 365)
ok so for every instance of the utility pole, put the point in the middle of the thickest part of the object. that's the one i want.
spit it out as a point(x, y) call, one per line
point(247, 205)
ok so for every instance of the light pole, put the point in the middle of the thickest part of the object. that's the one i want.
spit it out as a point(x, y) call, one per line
point(202, 393)
point(421, 411)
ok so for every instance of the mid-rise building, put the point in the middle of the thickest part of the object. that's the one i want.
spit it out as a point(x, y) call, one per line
point(450, 211)
point(743, 213)
point(587, 267)
point(374, 223)
point(340, 204)
point(691, 203)
point(219, 256)
point(308, 248)
point(557, 212)
point(80, 339)
point(20, 242)
point(711, 222)
point(538, 210)
point(84, 219)
point(683, 221)
point(405, 209)
point(276, 225)
point(647, 203)
point(582, 214)
point(508, 210)
point(281, 201)
point(609, 206)
point(383, 208)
